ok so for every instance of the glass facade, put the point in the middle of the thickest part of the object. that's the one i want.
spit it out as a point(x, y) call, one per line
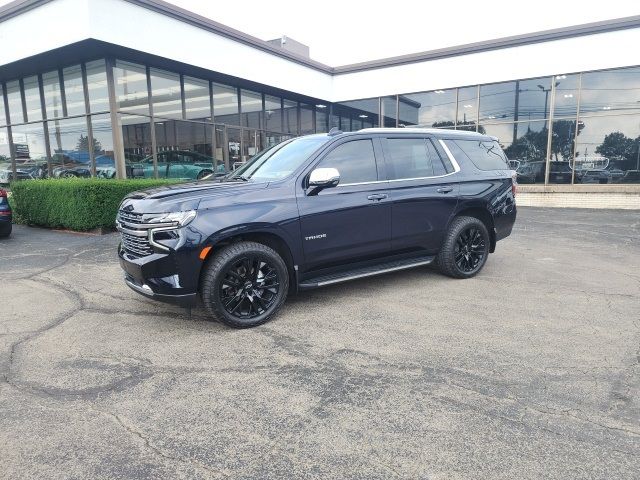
point(572, 128)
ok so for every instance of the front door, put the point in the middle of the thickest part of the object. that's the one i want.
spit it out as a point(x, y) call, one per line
point(352, 221)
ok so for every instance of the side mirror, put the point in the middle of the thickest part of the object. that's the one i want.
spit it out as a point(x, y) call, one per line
point(324, 178)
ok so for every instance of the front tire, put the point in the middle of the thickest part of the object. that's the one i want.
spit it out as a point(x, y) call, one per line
point(465, 248)
point(245, 284)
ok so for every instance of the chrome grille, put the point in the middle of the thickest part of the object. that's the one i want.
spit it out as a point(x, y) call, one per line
point(130, 217)
point(137, 246)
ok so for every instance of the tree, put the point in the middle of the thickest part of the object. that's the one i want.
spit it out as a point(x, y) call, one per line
point(83, 144)
point(616, 145)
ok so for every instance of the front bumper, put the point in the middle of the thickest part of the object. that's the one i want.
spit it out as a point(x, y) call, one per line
point(159, 277)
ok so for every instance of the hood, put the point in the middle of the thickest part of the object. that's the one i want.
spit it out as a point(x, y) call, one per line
point(184, 196)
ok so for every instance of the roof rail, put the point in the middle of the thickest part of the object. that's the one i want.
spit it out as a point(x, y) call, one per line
point(334, 131)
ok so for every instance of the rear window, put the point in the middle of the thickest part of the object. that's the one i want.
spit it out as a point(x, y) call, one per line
point(485, 154)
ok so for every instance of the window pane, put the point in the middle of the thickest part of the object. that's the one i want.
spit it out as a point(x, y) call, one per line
point(131, 88)
point(184, 151)
point(355, 161)
point(562, 151)
point(467, 108)
point(612, 91)
point(430, 109)
point(73, 90)
point(165, 94)
point(485, 155)
point(136, 136)
point(273, 113)
point(525, 144)
point(52, 94)
point(608, 150)
point(103, 146)
point(225, 104)
point(497, 101)
point(15, 102)
point(290, 117)
point(32, 98)
point(359, 110)
point(69, 144)
point(566, 101)
point(5, 154)
point(533, 100)
point(306, 119)
point(196, 96)
point(408, 158)
point(3, 117)
point(97, 85)
point(251, 103)
point(389, 113)
point(321, 119)
point(29, 147)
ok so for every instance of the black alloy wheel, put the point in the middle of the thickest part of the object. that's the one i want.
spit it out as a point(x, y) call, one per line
point(249, 287)
point(465, 248)
point(244, 284)
point(470, 249)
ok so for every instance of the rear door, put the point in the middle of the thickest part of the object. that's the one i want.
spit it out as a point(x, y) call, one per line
point(424, 191)
point(352, 221)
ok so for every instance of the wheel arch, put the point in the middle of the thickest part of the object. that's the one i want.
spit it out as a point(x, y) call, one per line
point(482, 214)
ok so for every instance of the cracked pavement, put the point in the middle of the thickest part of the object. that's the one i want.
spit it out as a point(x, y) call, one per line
point(530, 370)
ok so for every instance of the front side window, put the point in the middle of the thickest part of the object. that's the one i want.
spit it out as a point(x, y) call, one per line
point(409, 158)
point(355, 161)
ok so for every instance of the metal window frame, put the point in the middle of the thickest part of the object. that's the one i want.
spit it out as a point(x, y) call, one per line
point(87, 109)
point(12, 153)
point(550, 129)
point(116, 124)
point(152, 123)
point(45, 126)
point(23, 100)
point(575, 136)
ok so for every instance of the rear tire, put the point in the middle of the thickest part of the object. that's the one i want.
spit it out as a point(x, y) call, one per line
point(465, 248)
point(245, 284)
point(5, 231)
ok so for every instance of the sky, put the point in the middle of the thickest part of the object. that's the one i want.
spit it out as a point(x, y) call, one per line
point(347, 31)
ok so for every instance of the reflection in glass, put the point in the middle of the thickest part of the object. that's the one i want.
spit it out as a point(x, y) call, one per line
point(3, 115)
point(306, 119)
point(73, 90)
point(52, 94)
point(103, 146)
point(498, 101)
point(525, 144)
point(611, 91)
point(225, 104)
point(165, 94)
point(290, 116)
point(32, 98)
point(567, 94)
point(70, 146)
point(5, 152)
point(532, 99)
point(136, 136)
point(273, 113)
point(15, 102)
point(29, 146)
point(250, 144)
point(389, 112)
point(251, 106)
point(97, 86)
point(359, 111)
point(608, 150)
point(562, 150)
point(196, 98)
point(467, 108)
point(430, 109)
point(131, 87)
point(321, 119)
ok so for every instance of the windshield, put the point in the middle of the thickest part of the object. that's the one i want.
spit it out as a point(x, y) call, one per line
point(281, 160)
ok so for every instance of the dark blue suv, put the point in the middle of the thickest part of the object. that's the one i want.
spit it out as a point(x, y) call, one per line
point(318, 210)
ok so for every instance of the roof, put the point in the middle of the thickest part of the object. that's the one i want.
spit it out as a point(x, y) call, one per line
point(432, 131)
point(18, 7)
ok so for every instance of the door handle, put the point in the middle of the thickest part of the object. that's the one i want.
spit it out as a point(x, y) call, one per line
point(446, 189)
point(377, 196)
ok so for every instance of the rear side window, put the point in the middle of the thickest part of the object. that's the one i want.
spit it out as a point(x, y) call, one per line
point(413, 158)
point(485, 154)
point(355, 161)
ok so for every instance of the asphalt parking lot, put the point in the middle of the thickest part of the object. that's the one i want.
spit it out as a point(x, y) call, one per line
point(530, 370)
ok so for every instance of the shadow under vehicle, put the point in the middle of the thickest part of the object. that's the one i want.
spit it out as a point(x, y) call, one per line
point(177, 164)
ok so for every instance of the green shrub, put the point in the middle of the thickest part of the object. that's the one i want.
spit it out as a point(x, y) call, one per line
point(74, 203)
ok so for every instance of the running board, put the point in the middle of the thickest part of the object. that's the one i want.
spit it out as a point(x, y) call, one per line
point(362, 272)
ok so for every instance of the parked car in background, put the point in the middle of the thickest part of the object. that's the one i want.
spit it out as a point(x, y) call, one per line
point(319, 210)
point(24, 171)
point(560, 172)
point(5, 214)
point(78, 164)
point(526, 173)
point(630, 176)
point(177, 164)
point(593, 176)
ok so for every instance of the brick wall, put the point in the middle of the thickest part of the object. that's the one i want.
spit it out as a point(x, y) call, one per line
point(621, 200)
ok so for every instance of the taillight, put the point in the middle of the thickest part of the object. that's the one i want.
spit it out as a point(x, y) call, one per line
point(3, 193)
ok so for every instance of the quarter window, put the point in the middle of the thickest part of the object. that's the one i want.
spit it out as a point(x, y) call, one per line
point(355, 161)
point(485, 154)
point(410, 158)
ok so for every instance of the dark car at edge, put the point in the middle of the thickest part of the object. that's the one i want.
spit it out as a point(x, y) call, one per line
point(319, 210)
point(6, 216)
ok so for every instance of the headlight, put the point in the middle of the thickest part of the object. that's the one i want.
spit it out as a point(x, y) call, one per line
point(179, 219)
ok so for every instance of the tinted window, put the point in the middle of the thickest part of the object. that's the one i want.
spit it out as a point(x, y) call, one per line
point(408, 158)
point(485, 154)
point(355, 161)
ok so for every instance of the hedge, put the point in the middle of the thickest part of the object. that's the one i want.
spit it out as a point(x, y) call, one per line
point(74, 203)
